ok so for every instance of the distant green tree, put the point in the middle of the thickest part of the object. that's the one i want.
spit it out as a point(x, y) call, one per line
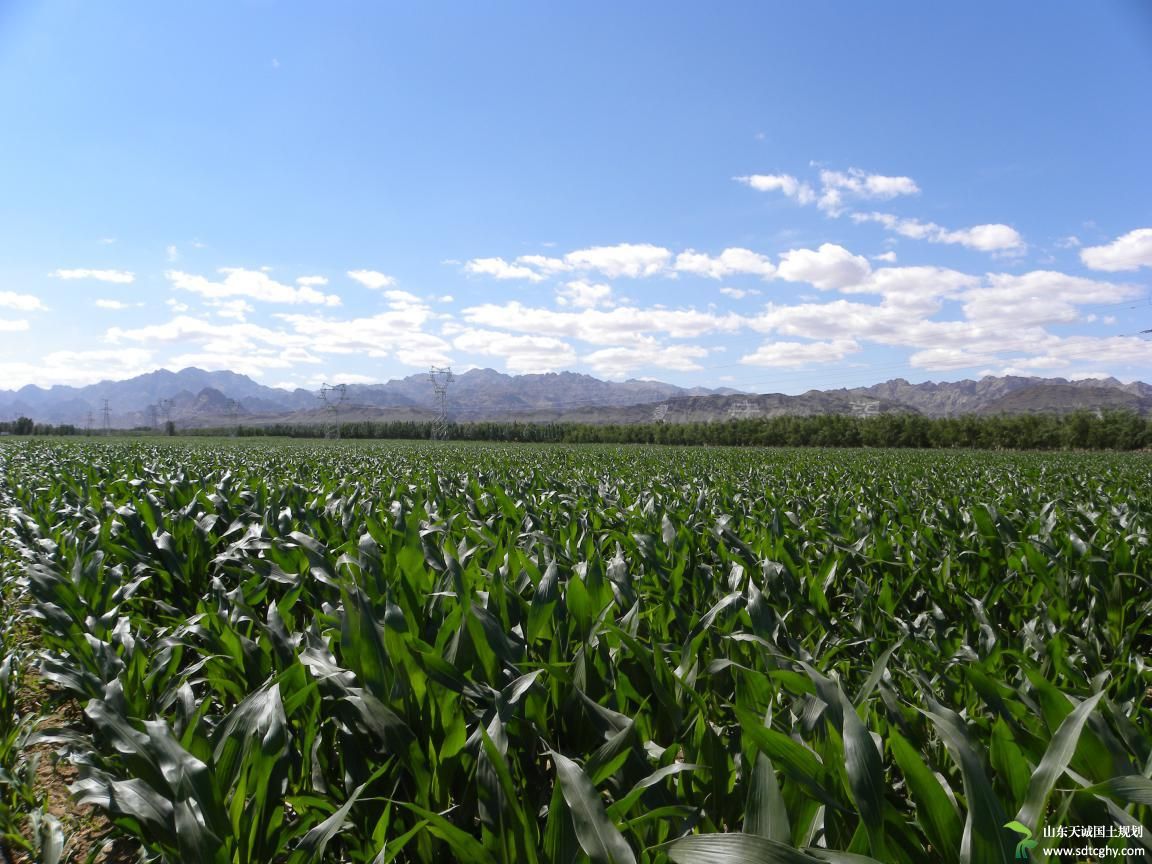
point(23, 426)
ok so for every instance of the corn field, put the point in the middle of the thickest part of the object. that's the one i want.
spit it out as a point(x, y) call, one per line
point(500, 653)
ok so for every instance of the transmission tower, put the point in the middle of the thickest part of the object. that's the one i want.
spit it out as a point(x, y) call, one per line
point(107, 412)
point(153, 415)
point(660, 412)
point(441, 377)
point(233, 410)
point(333, 396)
point(866, 407)
point(89, 420)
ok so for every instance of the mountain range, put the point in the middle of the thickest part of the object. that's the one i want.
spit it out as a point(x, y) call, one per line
point(196, 398)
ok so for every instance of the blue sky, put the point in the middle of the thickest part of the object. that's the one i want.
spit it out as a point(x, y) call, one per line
point(771, 196)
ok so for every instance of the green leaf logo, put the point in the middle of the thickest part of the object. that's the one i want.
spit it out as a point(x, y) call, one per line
point(1024, 845)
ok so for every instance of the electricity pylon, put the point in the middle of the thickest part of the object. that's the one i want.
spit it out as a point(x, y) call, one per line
point(333, 396)
point(441, 377)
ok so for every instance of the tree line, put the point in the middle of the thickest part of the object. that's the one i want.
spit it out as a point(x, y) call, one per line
point(1082, 430)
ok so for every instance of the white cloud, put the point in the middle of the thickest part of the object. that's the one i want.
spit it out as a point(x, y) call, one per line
point(1128, 252)
point(368, 278)
point(914, 290)
point(888, 257)
point(253, 284)
point(522, 354)
point(104, 303)
point(793, 354)
point(312, 281)
point(77, 368)
point(172, 253)
point(836, 185)
point(545, 263)
point(627, 260)
point(621, 325)
point(584, 295)
point(498, 268)
point(396, 333)
point(236, 309)
point(633, 260)
point(22, 302)
point(618, 362)
point(1038, 297)
point(739, 293)
point(9, 325)
point(118, 277)
point(983, 238)
point(830, 266)
point(800, 192)
point(730, 262)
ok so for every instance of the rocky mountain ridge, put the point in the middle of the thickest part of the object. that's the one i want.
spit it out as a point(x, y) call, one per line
point(195, 397)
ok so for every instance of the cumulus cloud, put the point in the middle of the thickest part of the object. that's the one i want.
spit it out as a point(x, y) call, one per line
point(730, 262)
point(584, 295)
point(738, 293)
point(835, 187)
point(253, 284)
point(106, 303)
point(498, 268)
point(838, 190)
point(888, 257)
point(20, 302)
point(77, 368)
point(984, 238)
point(802, 193)
point(854, 183)
point(1039, 297)
point(793, 354)
point(914, 290)
point(521, 354)
point(545, 263)
point(236, 309)
point(621, 361)
point(1128, 252)
point(621, 325)
point(368, 278)
point(830, 266)
point(633, 260)
point(312, 281)
point(118, 277)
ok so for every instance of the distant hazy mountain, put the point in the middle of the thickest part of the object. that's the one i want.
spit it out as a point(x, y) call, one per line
point(1010, 395)
point(193, 397)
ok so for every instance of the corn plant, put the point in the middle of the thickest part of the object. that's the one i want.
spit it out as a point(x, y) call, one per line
point(293, 652)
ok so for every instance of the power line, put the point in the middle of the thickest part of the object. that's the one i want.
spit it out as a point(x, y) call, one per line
point(107, 412)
